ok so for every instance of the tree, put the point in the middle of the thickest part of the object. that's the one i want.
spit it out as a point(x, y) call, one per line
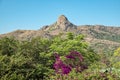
point(8, 46)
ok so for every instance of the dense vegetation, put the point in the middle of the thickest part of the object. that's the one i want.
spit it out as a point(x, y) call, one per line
point(107, 35)
point(58, 58)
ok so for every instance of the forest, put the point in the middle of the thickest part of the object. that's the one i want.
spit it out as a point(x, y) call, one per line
point(57, 58)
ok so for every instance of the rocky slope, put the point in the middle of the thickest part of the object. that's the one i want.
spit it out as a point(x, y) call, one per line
point(101, 38)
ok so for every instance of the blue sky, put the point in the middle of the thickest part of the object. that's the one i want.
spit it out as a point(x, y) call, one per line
point(33, 14)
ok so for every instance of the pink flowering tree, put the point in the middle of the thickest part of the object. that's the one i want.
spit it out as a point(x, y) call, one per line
point(72, 60)
point(71, 56)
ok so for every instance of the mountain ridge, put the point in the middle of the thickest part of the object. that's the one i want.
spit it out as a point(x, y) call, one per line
point(106, 35)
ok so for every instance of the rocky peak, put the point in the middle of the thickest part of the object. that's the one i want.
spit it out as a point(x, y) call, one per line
point(62, 19)
point(63, 23)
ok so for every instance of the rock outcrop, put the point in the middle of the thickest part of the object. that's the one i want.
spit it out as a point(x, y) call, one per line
point(62, 24)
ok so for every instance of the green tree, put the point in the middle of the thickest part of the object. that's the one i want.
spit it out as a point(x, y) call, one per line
point(77, 43)
point(8, 46)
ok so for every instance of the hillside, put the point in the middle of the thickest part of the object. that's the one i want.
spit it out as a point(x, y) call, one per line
point(101, 38)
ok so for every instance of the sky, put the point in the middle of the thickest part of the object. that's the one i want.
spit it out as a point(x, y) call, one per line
point(33, 14)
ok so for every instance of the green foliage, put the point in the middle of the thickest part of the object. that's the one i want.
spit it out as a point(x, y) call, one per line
point(117, 52)
point(108, 36)
point(107, 68)
point(86, 75)
point(70, 35)
point(96, 71)
point(116, 60)
point(76, 43)
point(24, 60)
point(8, 46)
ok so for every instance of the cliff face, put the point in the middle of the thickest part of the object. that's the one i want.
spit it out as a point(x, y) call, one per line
point(98, 35)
